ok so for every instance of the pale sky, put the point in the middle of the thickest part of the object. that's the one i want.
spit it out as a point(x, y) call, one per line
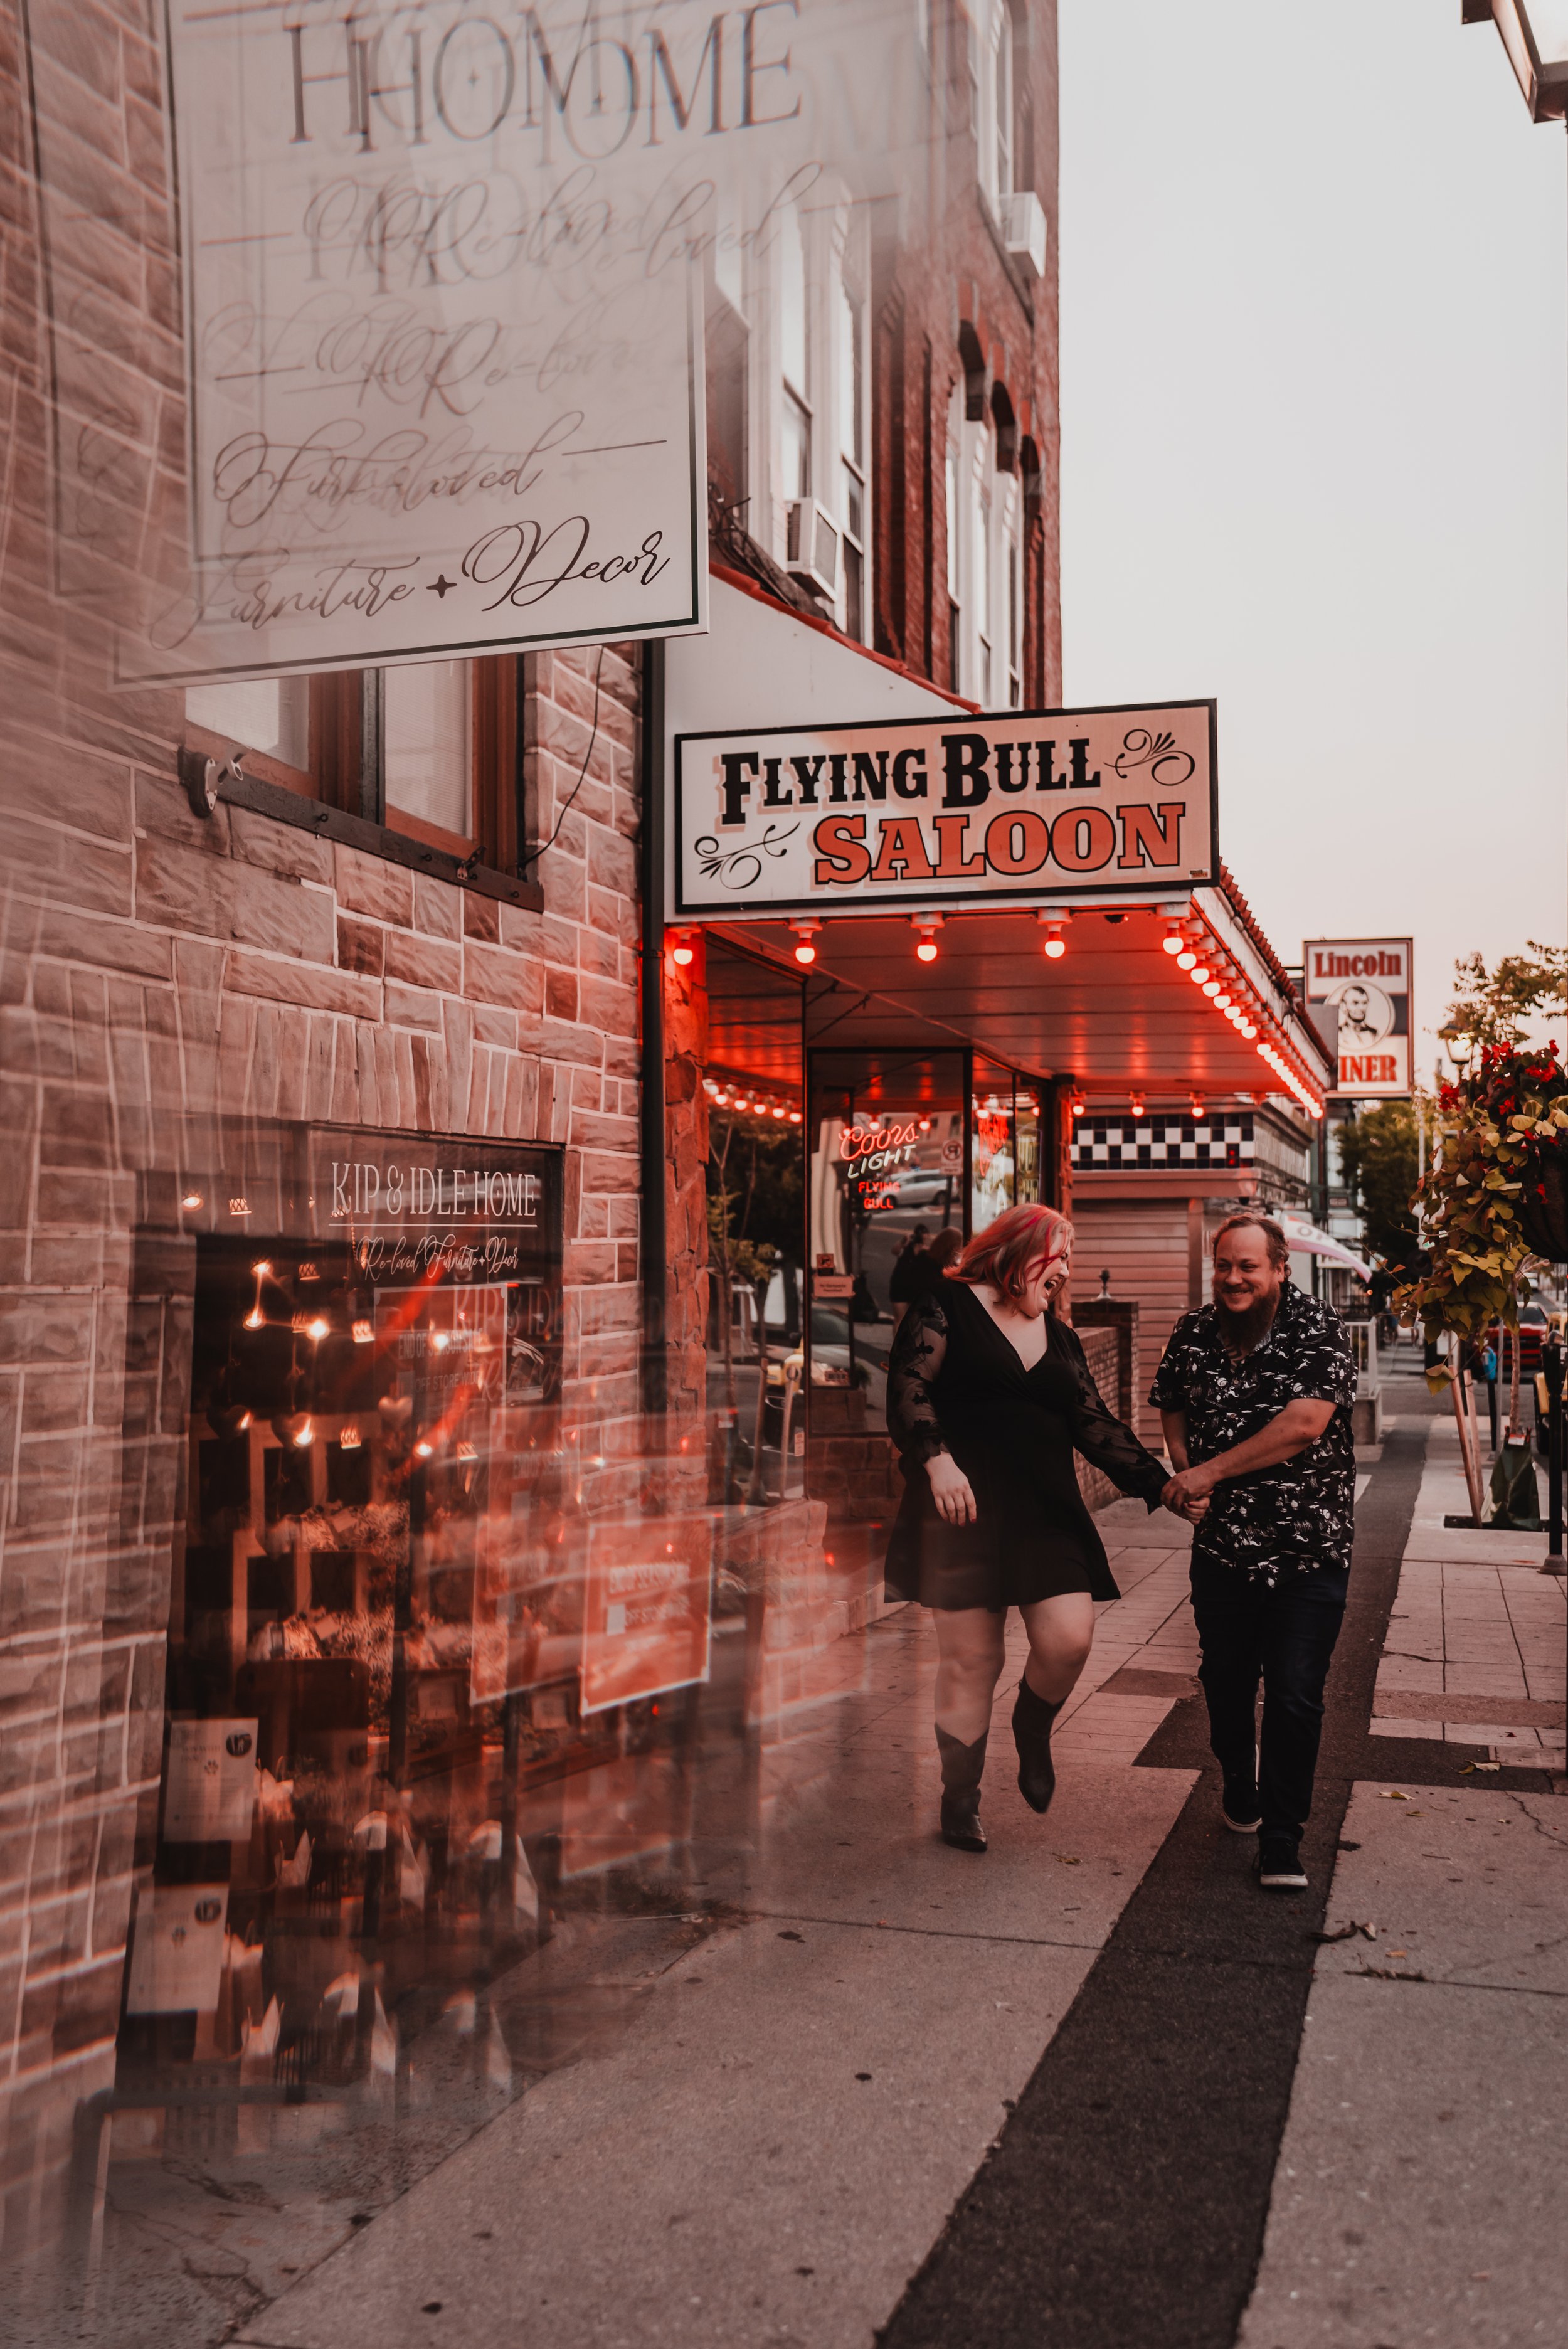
point(1315, 449)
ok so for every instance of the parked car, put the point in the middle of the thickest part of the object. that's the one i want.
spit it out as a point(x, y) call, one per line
point(1532, 1328)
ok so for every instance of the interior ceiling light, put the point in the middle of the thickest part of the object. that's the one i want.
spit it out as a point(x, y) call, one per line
point(1136, 1105)
point(1198, 1106)
point(364, 1334)
point(191, 1199)
point(1077, 1105)
point(797, 1117)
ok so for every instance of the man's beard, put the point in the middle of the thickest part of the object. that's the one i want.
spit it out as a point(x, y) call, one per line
point(1248, 1329)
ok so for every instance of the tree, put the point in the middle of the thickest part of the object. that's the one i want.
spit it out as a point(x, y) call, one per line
point(1495, 1007)
point(1377, 1155)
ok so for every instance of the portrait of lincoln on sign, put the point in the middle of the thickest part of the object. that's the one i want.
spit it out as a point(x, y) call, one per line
point(1366, 1014)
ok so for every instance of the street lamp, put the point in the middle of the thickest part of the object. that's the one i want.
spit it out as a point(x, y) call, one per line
point(1535, 35)
point(1458, 1047)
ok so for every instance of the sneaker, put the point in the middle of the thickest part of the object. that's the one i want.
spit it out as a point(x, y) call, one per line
point(1279, 1865)
point(1239, 1806)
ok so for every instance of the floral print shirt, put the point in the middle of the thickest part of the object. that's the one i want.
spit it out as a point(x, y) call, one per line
point(1301, 1512)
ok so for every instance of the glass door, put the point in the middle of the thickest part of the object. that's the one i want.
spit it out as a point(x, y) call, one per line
point(886, 1181)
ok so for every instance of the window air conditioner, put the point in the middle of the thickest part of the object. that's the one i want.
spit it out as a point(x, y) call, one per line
point(812, 548)
point(1023, 228)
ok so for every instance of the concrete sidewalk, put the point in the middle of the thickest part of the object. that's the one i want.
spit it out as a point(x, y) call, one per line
point(767, 2154)
point(748, 2122)
point(1419, 2189)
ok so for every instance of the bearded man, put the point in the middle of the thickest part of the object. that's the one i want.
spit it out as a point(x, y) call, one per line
point(1255, 1393)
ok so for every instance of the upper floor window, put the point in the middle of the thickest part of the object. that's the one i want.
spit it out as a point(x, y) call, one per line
point(852, 441)
point(795, 354)
point(430, 750)
point(1001, 95)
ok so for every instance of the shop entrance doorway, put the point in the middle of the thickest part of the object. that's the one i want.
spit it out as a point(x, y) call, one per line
point(911, 1152)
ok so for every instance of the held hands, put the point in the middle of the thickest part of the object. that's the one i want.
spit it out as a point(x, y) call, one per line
point(1187, 1495)
point(951, 1490)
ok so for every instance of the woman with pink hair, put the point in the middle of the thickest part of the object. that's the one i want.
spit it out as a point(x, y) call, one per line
point(989, 1396)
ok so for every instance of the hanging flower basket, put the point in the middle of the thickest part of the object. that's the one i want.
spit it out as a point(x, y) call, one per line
point(1497, 1193)
point(1543, 1202)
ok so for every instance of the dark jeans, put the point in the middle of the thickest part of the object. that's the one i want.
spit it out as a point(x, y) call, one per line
point(1284, 1636)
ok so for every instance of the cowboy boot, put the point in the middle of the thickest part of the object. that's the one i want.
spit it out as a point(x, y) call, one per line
point(1032, 1720)
point(960, 1769)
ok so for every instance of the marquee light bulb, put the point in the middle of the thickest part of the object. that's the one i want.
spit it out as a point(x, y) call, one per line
point(1210, 988)
point(797, 1117)
point(1186, 959)
point(1055, 945)
point(805, 951)
point(926, 950)
point(1198, 974)
point(1174, 942)
point(1221, 1001)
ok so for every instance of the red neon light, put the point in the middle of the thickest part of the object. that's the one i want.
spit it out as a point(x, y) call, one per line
point(856, 1140)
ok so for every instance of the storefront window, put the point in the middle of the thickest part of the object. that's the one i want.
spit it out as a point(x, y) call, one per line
point(379, 1611)
point(886, 1176)
point(1006, 1143)
point(756, 1230)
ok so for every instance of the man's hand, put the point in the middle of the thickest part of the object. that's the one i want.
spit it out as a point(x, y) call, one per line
point(951, 1490)
point(1189, 1490)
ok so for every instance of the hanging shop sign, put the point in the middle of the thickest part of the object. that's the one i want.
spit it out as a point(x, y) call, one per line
point(444, 394)
point(443, 275)
point(1369, 980)
point(410, 1208)
point(894, 815)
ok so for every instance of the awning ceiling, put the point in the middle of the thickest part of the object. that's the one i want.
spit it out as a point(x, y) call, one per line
point(1114, 1012)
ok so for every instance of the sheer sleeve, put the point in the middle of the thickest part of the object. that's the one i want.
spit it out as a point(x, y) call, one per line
point(1106, 1444)
point(918, 1352)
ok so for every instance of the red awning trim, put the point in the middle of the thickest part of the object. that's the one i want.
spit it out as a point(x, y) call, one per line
point(1249, 922)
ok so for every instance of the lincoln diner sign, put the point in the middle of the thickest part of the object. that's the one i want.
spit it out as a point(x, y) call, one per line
point(947, 811)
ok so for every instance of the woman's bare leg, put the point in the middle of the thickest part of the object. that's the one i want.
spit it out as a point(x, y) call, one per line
point(969, 1657)
point(1061, 1633)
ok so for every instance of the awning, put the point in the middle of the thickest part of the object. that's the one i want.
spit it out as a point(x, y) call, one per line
point(1306, 1239)
point(1090, 990)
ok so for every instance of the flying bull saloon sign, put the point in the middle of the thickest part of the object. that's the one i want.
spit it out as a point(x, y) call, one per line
point(947, 812)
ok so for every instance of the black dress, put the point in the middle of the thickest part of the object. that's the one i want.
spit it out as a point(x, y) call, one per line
point(956, 1383)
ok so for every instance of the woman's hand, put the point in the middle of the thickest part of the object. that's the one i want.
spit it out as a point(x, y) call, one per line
point(951, 1490)
point(1187, 1494)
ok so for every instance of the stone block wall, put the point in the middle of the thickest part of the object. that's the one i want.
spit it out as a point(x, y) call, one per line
point(157, 970)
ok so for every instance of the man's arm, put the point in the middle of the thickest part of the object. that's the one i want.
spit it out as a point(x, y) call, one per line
point(1298, 1425)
